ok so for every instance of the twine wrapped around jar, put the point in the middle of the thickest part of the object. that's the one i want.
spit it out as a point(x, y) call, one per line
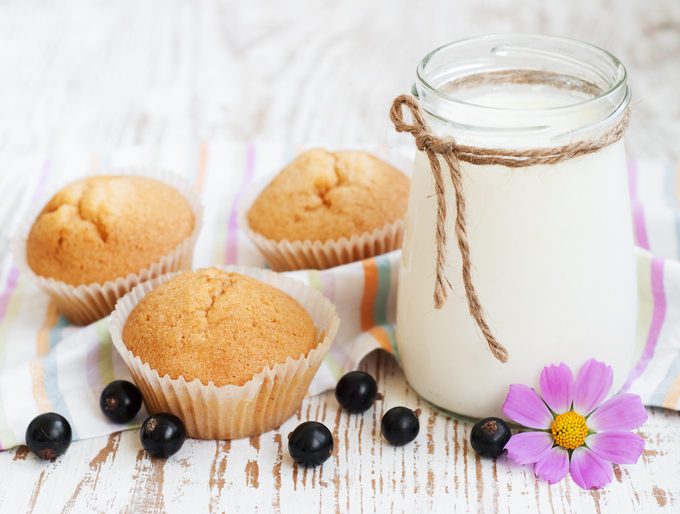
point(446, 148)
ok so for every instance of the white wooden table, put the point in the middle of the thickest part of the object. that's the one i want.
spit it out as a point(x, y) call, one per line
point(97, 75)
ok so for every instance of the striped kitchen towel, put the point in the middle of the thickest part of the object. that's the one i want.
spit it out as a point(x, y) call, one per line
point(655, 204)
point(48, 365)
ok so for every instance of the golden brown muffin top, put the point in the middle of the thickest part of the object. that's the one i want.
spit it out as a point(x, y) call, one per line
point(323, 195)
point(217, 326)
point(105, 227)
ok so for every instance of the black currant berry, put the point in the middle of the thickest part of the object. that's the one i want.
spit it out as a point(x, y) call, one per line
point(120, 401)
point(489, 437)
point(48, 435)
point(310, 444)
point(356, 391)
point(162, 434)
point(400, 425)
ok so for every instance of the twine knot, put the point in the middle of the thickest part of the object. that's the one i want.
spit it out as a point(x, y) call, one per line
point(424, 138)
point(445, 148)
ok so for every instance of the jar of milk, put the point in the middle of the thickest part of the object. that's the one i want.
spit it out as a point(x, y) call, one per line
point(550, 245)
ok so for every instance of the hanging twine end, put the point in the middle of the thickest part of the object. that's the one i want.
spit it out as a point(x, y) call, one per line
point(500, 353)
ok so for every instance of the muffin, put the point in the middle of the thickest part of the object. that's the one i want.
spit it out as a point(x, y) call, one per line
point(329, 208)
point(217, 327)
point(98, 237)
point(231, 352)
point(104, 227)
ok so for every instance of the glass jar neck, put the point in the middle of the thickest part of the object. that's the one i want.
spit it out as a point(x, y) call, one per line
point(519, 91)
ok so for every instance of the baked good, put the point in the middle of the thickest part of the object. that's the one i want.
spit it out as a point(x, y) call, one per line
point(323, 195)
point(199, 317)
point(326, 209)
point(99, 237)
point(217, 327)
point(104, 227)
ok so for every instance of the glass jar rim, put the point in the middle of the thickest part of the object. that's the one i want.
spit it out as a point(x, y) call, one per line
point(575, 60)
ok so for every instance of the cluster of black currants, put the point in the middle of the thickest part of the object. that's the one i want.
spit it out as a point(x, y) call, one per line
point(311, 443)
point(162, 434)
point(49, 435)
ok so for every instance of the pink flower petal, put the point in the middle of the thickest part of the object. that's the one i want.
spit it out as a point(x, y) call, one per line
point(619, 447)
point(588, 470)
point(557, 387)
point(529, 447)
point(622, 412)
point(593, 382)
point(524, 406)
point(553, 465)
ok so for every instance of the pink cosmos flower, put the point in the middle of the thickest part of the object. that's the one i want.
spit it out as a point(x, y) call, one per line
point(572, 432)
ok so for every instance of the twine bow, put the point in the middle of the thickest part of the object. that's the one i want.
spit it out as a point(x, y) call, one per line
point(446, 147)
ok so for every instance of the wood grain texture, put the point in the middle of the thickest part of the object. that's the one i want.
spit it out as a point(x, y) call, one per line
point(95, 75)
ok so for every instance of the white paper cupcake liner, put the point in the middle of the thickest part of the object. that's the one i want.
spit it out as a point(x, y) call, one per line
point(87, 303)
point(288, 255)
point(230, 411)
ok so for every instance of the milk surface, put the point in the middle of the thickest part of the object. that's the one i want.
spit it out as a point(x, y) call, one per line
point(553, 265)
point(518, 96)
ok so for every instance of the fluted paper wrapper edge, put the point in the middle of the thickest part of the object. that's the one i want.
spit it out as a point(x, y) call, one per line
point(287, 255)
point(87, 303)
point(232, 412)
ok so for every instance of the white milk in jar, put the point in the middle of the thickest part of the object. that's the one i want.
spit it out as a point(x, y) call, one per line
point(551, 245)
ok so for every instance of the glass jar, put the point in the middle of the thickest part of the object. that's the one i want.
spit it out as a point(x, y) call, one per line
point(551, 246)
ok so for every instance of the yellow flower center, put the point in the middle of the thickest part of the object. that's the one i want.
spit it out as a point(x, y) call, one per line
point(569, 430)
